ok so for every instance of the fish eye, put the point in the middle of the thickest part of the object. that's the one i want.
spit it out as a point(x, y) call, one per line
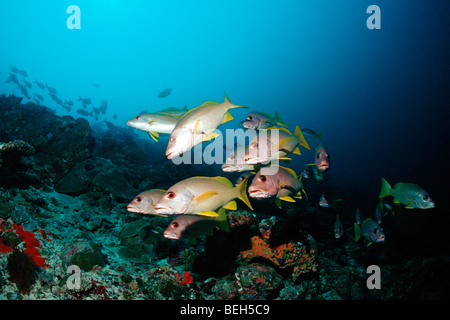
point(173, 139)
point(170, 195)
point(375, 231)
point(425, 198)
point(249, 118)
point(232, 157)
point(138, 199)
point(137, 117)
point(175, 225)
point(263, 179)
point(254, 145)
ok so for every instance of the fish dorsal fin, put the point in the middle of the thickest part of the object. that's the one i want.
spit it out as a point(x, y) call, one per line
point(279, 121)
point(204, 104)
point(208, 103)
point(223, 180)
point(204, 196)
point(285, 130)
point(290, 171)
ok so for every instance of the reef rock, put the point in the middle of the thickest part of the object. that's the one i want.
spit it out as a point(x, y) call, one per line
point(258, 281)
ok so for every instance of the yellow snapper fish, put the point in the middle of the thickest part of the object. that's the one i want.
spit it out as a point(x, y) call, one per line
point(144, 202)
point(283, 185)
point(154, 124)
point(198, 125)
point(267, 147)
point(202, 196)
point(193, 226)
point(409, 194)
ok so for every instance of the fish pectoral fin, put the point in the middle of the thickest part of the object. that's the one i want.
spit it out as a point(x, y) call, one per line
point(231, 205)
point(204, 196)
point(197, 127)
point(210, 136)
point(211, 214)
point(228, 117)
point(287, 199)
point(151, 122)
point(154, 135)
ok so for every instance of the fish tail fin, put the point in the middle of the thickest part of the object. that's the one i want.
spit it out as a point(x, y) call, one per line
point(223, 220)
point(357, 231)
point(231, 104)
point(242, 193)
point(279, 121)
point(385, 189)
point(298, 133)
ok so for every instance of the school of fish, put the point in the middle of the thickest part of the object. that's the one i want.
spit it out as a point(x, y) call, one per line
point(199, 203)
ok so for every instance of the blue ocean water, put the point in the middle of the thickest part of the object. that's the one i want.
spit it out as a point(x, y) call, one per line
point(380, 97)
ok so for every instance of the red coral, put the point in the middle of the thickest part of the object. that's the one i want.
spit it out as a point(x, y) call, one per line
point(187, 278)
point(31, 244)
point(4, 248)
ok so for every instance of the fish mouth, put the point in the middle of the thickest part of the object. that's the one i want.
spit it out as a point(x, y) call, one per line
point(162, 210)
point(170, 235)
point(131, 208)
point(171, 154)
point(230, 168)
point(323, 166)
point(258, 194)
point(381, 238)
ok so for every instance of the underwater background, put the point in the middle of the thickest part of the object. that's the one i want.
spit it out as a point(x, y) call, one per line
point(380, 98)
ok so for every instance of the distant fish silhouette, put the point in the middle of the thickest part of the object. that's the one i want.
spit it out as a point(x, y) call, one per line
point(84, 101)
point(103, 107)
point(164, 93)
point(12, 78)
point(39, 84)
point(96, 85)
point(22, 72)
